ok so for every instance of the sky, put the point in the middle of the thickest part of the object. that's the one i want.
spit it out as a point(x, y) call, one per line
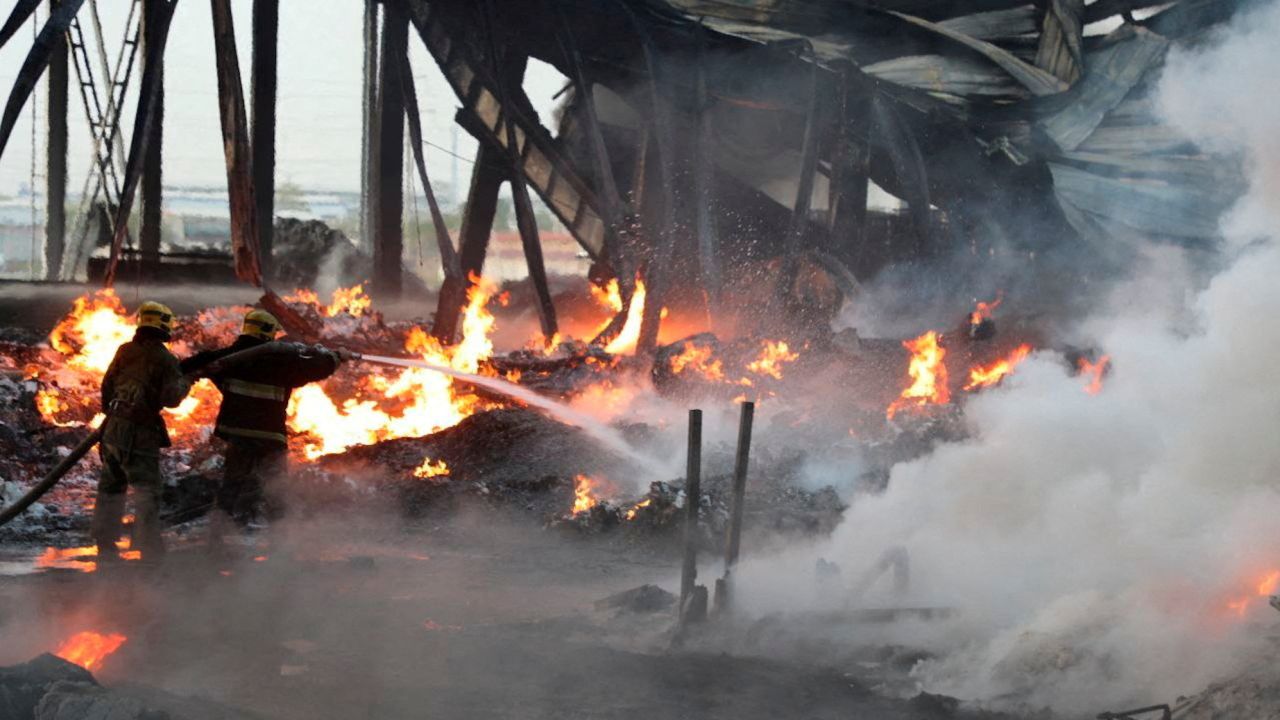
point(319, 111)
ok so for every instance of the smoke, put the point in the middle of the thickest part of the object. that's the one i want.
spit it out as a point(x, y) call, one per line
point(1092, 543)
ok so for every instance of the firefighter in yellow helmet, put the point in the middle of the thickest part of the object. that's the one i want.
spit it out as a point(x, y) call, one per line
point(143, 378)
point(251, 419)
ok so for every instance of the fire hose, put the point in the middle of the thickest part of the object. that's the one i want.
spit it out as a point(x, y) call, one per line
point(79, 451)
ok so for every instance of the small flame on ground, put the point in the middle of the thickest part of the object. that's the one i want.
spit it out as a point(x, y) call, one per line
point(584, 487)
point(984, 310)
point(431, 468)
point(773, 356)
point(1266, 585)
point(1093, 372)
point(88, 649)
point(928, 373)
point(350, 301)
point(635, 509)
point(991, 374)
point(698, 359)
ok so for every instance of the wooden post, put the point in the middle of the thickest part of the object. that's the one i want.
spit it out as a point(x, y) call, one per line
point(266, 22)
point(724, 588)
point(55, 225)
point(388, 234)
point(369, 125)
point(693, 500)
point(473, 238)
point(739, 485)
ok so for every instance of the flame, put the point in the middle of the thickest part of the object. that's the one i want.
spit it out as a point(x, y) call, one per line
point(1093, 372)
point(610, 297)
point(984, 310)
point(424, 401)
point(635, 509)
point(90, 334)
point(697, 359)
point(1266, 585)
point(995, 372)
point(584, 499)
point(928, 375)
point(77, 558)
point(431, 468)
point(350, 301)
point(773, 356)
point(88, 649)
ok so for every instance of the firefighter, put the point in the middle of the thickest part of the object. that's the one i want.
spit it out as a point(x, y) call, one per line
point(251, 419)
point(143, 378)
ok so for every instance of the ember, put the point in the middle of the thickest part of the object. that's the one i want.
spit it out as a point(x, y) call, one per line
point(980, 377)
point(928, 375)
point(635, 509)
point(88, 649)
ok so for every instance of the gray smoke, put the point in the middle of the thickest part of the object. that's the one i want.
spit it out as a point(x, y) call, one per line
point(1093, 543)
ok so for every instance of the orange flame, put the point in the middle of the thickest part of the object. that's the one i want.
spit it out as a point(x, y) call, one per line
point(90, 334)
point(697, 359)
point(773, 356)
point(984, 310)
point(431, 468)
point(635, 509)
point(88, 649)
point(928, 375)
point(995, 372)
point(1266, 585)
point(425, 401)
point(610, 297)
point(583, 493)
point(350, 301)
point(1093, 373)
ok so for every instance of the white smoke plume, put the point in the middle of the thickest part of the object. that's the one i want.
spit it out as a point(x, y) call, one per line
point(1093, 543)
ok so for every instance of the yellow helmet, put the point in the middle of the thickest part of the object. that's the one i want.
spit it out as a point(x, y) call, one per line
point(155, 315)
point(260, 324)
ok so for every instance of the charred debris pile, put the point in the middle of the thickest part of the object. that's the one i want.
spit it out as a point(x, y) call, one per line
point(423, 443)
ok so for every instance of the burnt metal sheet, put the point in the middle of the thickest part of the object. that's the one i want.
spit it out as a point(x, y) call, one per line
point(1162, 209)
point(996, 24)
point(1033, 78)
point(952, 77)
point(1113, 72)
point(1060, 51)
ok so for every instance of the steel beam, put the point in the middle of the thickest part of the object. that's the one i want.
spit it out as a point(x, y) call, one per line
point(152, 165)
point(55, 225)
point(266, 23)
point(388, 235)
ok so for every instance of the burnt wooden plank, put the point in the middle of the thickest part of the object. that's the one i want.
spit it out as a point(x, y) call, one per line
point(235, 146)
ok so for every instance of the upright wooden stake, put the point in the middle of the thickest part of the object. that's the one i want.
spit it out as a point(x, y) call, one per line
point(266, 22)
point(739, 486)
point(388, 234)
point(693, 500)
point(55, 226)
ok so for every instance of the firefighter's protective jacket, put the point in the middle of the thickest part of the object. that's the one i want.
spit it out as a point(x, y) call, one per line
point(143, 378)
point(255, 396)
